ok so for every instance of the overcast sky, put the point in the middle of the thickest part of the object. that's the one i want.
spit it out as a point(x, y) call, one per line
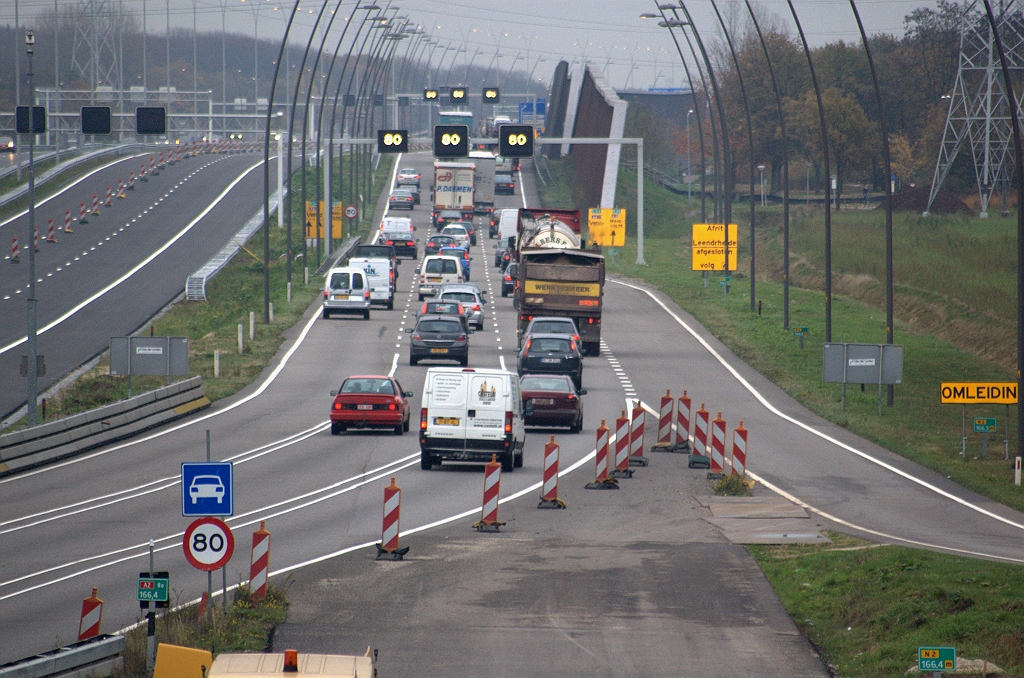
point(608, 33)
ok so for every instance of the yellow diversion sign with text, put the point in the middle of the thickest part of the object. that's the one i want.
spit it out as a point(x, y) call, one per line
point(563, 288)
point(979, 393)
point(708, 247)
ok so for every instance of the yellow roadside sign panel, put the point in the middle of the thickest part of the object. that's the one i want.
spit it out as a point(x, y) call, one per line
point(708, 247)
point(337, 211)
point(607, 226)
point(561, 288)
point(978, 393)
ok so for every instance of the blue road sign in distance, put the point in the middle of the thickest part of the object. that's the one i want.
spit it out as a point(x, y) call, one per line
point(207, 489)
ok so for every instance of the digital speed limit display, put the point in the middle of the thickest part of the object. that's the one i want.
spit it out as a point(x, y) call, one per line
point(392, 141)
point(515, 141)
point(492, 95)
point(458, 95)
point(451, 141)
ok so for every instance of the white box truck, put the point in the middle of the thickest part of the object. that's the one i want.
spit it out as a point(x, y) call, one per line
point(453, 188)
point(470, 414)
point(483, 182)
point(381, 278)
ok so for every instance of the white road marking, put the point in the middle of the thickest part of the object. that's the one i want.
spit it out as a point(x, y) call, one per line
point(394, 366)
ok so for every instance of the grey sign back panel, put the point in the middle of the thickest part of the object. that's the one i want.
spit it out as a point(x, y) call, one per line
point(862, 364)
point(161, 356)
point(119, 364)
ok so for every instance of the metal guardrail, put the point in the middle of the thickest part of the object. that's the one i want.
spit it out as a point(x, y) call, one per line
point(540, 164)
point(195, 284)
point(98, 656)
point(54, 172)
point(72, 435)
point(337, 255)
point(40, 157)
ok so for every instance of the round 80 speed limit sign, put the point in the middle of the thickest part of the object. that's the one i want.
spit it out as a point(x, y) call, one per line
point(208, 544)
point(351, 211)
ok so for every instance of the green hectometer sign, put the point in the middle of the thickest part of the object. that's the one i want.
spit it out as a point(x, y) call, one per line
point(153, 589)
point(936, 659)
point(985, 425)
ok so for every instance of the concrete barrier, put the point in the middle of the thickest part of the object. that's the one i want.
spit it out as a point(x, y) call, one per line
point(72, 435)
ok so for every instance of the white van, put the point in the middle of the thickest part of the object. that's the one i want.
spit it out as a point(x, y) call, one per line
point(346, 291)
point(469, 414)
point(437, 271)
point(508, 226)
point(380, 277)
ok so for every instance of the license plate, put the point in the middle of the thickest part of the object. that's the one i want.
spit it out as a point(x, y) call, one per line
point(438, 350)
point(364, 407)
point(551, 360)
point(446, 421)
point(341, 297)
point(433, 280)
point(543, 401)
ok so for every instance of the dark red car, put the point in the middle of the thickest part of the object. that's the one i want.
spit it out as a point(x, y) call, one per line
point(552, 400)
point(370, 401)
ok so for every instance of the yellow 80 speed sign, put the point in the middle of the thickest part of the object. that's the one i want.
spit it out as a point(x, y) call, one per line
point(451, 139)
point(517, 139)
point(393, 139)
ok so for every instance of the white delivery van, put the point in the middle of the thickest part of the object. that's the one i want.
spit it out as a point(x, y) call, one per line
point(346, 291)
point(380, 277)
point(508, 226)
point(437, 271)
point(469, 414)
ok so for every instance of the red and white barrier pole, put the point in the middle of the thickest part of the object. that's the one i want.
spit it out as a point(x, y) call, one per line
point(120, 188)
point(160, 161)
point(492, 490)
point(601, 479)
point(665, 418)
point(131, 180)
point(92, 615)
point(549, 489)
point(51, 235)
point(739, 450)
point(622, 444)
point(67, 221)
point(82, 212)
point(388, 548)
point(95, 203)
point(15, 258)
point(35, 239)
point(636, 437)
point(700, 432)
point(259, 563)
point(717, 444)
point(683, 419)
point(110, 196)
point(204, 601)
point(152, 165)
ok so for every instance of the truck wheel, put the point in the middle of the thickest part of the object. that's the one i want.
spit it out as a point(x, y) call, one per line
point(425, 461)
point(508, 463)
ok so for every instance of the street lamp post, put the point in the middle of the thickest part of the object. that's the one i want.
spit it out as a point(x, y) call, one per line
point(760, 170)
point(689, 165)
point(33, 375)
point(807, 189)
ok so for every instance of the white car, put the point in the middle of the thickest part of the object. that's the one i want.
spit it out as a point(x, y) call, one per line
point(407, 175)
point(460, 234)
point(206, 487)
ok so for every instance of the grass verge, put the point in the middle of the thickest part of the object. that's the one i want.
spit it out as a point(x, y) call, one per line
point(247, 626)
point(213, 325)
point(869, 607)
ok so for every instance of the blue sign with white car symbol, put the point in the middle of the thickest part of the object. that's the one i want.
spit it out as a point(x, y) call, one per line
point(207, 489)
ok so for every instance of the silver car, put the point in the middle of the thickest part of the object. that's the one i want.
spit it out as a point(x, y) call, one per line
point(346, 291)
point(470, 298)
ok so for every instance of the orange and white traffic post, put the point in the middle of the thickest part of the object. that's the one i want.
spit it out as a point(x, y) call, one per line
point(549, 488)
point(131, 180)
point(35, 239)
point(665, 418)
point(739, 450)
point(95, 203)
point(388, 548)
point(601, 479)
point(109, 202)
point(492, 490)
point(83, 213)
point(717, 444)
point(621, 460)
point(15, 258)
point(683, 419)
point(259, 563)
point(636, 436)
point(92, 615)
point(700, 431)
point(120, 188)
point(67, 221)
point(51, 234)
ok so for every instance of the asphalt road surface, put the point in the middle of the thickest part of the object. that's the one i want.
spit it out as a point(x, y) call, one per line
point(118, 270)
point(627, 582)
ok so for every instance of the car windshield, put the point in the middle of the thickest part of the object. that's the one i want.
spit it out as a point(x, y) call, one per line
point(460, 296)
point(442, 308)
point(408, 170)
point(368, 385)
point(401, 194)
point(451, 214)
point(443, 265)
point(552, 327)
point(375, 251)
point(442, 240)
point(503, 177)
point(439, 327)
point(454, 252)
point(549, 345)
point(340, 281)
point(454, 230)
point(559, 384)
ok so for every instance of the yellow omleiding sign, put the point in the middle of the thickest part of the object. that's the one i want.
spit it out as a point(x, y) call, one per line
point(563, 288)
point(978, 393)
point(337, 211)
point(607, 226)
point(708, 247)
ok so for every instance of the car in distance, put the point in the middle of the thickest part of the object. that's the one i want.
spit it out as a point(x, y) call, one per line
point(470, 229)
point(400, 199)
point(370, 401)
point(552, 400)
point(206, 487)
point(461, 253)
point(471, 301)
point(508, 279)
point(504, 184)
point(552, 325)
point(415, 191)
point(439, 337)
point(407, 176)
point(437, 271)
point(346, 290)
point(436, 242)
point(445, 217)
point(459, 232)
point(452, 308)
point(7, 144)
point(551, 354)
point(377, 251)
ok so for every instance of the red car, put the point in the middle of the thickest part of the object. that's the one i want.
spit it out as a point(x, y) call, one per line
point(370, 401)
point(552, 400)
